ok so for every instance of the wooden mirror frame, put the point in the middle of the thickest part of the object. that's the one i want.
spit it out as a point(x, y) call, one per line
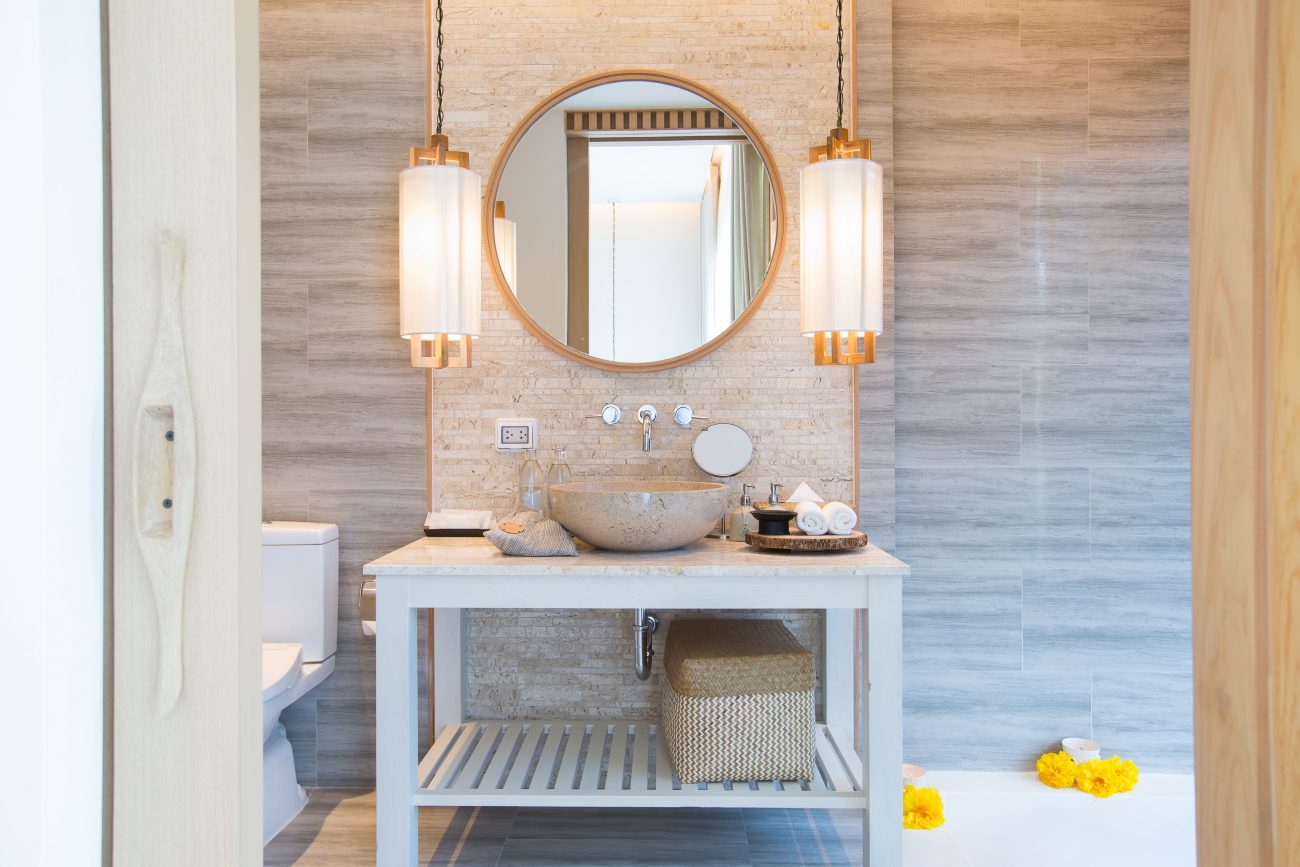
point(494, 183)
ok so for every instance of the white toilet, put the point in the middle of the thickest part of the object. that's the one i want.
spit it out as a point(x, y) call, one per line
point(300, 606)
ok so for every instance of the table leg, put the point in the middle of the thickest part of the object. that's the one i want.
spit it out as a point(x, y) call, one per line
point(448, 670)
point(882, 723)
point(839, 668)
point(396, 727)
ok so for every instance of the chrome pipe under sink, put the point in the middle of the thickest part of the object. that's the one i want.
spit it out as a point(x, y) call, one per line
point(644, 625)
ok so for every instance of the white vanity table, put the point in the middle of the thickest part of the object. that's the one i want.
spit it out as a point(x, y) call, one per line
point(559, 763)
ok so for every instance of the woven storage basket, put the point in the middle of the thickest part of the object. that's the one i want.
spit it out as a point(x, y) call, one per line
point(738, 703)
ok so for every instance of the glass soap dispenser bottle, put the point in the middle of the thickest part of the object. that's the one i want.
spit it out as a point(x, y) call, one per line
point(557, 474)
point(532, 485)
point(739, 519)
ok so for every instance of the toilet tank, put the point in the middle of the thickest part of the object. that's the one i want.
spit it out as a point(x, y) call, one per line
point(300, 586)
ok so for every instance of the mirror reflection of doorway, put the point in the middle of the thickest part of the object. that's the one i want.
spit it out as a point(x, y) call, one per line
point(641, 222)
point(679, 239)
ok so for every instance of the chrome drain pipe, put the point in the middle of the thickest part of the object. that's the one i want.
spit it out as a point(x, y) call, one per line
point(644, 625)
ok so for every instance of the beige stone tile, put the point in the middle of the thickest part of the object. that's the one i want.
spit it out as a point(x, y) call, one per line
point(1056, 29)
point(1137, 109)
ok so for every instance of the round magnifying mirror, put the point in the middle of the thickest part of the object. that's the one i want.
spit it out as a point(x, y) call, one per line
point(723, 450)
point(636, 221)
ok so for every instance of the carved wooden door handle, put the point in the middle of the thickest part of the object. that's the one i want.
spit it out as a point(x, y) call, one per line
point(164, 475)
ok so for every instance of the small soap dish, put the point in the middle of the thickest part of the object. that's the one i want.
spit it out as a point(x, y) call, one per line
point(454, 533)
point(774, 522)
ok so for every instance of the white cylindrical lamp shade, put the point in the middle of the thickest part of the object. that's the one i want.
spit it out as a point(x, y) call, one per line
point(441, 237)
point(841, 246)
point(505, 242)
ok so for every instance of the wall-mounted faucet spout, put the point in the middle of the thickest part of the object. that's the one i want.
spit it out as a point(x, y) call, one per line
point(647, 415)
point(644, 625)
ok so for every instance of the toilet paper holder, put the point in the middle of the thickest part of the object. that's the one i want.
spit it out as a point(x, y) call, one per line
point(366, 600)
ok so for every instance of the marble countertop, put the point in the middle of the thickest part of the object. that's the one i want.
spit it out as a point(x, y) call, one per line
point(705, 558)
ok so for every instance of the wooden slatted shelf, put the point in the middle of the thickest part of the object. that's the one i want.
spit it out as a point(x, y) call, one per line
point(594, 763)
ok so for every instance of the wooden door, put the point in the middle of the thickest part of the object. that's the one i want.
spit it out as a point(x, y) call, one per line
point(186, 454)
point(1245, 222)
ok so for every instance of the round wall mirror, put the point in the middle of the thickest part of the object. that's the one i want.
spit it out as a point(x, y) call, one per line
point(723, 450)
point(634, 221)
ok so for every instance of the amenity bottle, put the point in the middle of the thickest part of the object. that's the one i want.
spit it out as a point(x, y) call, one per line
point(558, 474)
point(532, 485)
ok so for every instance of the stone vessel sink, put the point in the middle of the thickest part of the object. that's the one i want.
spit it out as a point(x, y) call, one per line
point(638, 515)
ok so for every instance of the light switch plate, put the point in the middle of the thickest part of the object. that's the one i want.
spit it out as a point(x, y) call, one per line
point(516, 434)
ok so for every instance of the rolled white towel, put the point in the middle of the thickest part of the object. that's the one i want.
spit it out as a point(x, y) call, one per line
point(459, 519)
point(811, 519)
point(840, 519)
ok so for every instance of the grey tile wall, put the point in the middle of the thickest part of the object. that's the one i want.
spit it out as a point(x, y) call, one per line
point(1042, 395)
point(343, 415)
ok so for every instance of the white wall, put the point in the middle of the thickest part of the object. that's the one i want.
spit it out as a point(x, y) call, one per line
point(51, 441)
point(535, 188)
point(649, 304)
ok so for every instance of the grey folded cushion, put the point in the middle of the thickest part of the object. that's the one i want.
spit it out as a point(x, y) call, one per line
point(540, 537)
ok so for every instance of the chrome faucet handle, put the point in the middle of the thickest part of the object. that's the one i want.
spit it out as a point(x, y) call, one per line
point(610, 415)
point(684, 415)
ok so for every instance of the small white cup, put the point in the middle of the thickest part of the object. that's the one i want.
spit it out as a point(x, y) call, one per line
point(913, 775)
point(1080, 749)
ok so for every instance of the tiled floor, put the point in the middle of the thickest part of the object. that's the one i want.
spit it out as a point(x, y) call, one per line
point(993, 820)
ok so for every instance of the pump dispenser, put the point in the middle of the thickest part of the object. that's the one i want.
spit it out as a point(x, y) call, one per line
point(774, 498)
point(739, 519)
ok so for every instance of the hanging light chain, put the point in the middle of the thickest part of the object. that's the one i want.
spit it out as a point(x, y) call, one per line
point(839, 61)
point(438, 66)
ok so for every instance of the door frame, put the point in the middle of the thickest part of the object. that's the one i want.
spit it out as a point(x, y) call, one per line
point(1245, 429)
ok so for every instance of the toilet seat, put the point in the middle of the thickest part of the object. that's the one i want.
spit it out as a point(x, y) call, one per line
point(281, 664)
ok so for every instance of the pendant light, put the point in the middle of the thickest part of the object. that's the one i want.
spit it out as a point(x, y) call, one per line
point(841, 240)
point(440, 276)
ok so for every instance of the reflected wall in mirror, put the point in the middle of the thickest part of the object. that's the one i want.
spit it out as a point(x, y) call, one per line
point(636, 221)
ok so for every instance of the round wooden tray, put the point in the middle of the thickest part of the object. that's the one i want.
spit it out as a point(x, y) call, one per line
point(809, 544)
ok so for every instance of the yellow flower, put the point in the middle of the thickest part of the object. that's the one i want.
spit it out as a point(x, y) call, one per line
point(1126, 774)
point(922, 808)
point(1105, 777)
point(1057, 770)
